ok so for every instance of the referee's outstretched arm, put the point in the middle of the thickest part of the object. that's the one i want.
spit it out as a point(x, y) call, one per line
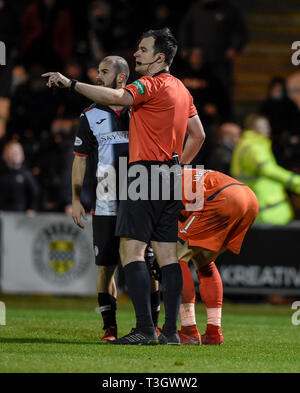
point(105, 95)
point(196, 136)
point(100, 94)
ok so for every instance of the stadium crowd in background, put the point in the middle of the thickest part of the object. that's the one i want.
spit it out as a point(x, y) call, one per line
point(74, 36)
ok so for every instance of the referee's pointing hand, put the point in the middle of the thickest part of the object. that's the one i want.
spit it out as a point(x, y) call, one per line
point(57, 79)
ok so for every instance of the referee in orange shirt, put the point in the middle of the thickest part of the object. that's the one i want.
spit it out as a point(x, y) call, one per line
point(162, 113)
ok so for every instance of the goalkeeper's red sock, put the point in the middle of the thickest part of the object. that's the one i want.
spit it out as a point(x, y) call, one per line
point(211, 292)
point(187, 307)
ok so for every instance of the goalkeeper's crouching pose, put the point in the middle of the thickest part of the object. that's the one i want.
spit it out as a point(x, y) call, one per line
point(227, 209)
point(221, 214)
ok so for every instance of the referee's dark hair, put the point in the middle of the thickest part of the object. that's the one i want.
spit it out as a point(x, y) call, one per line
point(120, 65)
point(165, 43)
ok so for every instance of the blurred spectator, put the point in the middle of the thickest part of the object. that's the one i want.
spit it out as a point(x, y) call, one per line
point(293, 87)
point(218, 28)
point(70, 104)
point(228, 135)
point(99, 29)
point(12, 77)
point(204, 87)
point(123, 12)
point(4, 115)
point(284, 118)
point(59, 144)
point(207, 93)
point(280, 110)
point(254, 164)
point(92, 73)
point(32, 105)
point(19, 76)
point(54, 174)
point(19, 189)
point(46, 33)
point(9, 33)
point(161, 15)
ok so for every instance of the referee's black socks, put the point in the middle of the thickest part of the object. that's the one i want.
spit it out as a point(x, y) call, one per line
point(171, 284)
point(139, 287)
point(108, 306)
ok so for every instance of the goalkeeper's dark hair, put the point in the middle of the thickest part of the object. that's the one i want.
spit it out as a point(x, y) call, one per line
point(164, 42)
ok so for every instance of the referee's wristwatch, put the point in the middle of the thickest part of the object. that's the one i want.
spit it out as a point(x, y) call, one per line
point(73, 83)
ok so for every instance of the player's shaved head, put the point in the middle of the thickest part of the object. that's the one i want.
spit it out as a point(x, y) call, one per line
point(119, 63)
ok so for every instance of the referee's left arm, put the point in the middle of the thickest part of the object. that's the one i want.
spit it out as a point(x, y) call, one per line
point(194, 142)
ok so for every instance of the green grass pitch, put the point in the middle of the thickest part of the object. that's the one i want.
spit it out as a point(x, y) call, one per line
point(50, 334)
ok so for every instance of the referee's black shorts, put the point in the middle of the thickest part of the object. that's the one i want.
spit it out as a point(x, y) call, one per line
point(150, 219)
point(106, 244)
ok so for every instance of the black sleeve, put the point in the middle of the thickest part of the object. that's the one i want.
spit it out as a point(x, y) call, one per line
point(85, 139)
